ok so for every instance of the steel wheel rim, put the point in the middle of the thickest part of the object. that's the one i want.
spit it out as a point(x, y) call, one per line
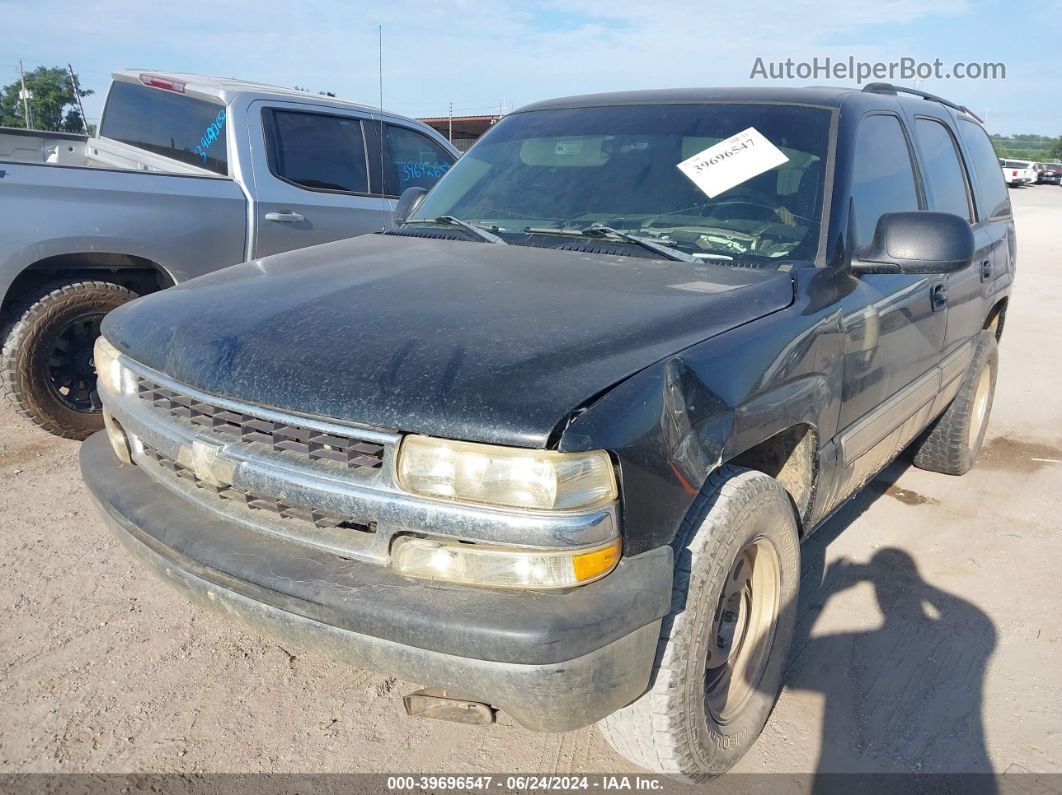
point(743, 631)
point(980, 405)
point(70, 369)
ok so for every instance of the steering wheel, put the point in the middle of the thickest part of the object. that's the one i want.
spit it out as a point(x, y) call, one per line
point(749, 198)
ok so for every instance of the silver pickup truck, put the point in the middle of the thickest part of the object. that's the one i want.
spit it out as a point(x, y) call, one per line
point(188, 174)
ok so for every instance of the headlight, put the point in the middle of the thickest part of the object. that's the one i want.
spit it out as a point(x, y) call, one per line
point(502, 567)
point(108, 367)
point(505, 476)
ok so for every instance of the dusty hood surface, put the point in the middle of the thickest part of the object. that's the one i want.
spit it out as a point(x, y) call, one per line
point(461, 340)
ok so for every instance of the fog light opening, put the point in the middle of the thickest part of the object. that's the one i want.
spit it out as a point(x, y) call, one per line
point(436, 704)
point(116, 435)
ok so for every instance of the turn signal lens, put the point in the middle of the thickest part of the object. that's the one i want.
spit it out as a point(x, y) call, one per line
point(500, 566)
point(591, 565)
point(505, 476)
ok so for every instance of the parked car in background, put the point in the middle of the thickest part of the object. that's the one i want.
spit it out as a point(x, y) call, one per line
point(187, 175)
point(1049, 173)
point(1017, 173)
point(550, 446)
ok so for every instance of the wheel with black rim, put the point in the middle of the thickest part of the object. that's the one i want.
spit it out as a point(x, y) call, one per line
point(722, 651)
point(46, 366)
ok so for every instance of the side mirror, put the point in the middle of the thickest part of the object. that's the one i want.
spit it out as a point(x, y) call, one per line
point(919, 242)
point(407, 203)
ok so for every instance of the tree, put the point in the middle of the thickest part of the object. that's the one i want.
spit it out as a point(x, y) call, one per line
point(1028, 146)
point(53, 106)
point(1055, 152)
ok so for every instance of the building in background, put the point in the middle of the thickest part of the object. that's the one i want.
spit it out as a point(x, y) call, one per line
point(463, 130)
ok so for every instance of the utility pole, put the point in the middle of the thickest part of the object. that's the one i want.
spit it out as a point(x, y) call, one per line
point(379, 45)
point(77, 98)
point(25, 95)
point(450, 124)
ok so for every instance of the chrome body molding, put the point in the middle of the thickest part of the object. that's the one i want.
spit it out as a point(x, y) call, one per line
point(924, 398)
point(865, 434)
point(870, 444)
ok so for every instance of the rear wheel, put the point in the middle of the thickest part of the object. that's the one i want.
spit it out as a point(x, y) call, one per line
point(722, 650)
point(953, 442)
point(46, 367)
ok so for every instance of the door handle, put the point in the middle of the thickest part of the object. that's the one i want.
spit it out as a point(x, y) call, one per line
point(986, 270)
point(938, 296)
point(284, 217)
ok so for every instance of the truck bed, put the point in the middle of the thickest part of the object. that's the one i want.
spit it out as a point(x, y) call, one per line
point(35, 146)
point(71, 149)
point(190, 224)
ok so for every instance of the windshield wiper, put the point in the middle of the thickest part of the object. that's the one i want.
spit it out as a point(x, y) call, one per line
point(667, 252)
point(600, 231)
point(449, 220)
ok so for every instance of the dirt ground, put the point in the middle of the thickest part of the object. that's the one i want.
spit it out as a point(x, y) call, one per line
point(936, 647)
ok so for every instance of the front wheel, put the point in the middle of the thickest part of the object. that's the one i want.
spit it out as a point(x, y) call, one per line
point(46, 367)
point(723, 648)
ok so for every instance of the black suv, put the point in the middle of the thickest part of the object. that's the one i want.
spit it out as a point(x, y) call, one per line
point(551, 446)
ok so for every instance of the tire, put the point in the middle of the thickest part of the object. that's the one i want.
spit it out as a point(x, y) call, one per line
point(678, 727)
point(46, 369)
point(953, 441)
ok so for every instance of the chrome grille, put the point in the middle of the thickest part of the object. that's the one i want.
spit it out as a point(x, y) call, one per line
point(314, 516)
point(311, 444)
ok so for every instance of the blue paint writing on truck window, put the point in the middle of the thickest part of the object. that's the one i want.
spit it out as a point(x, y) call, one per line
point(418, 169)
point(213, 132)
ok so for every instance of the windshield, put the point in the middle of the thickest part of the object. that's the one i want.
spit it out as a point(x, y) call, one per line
point(547, 173)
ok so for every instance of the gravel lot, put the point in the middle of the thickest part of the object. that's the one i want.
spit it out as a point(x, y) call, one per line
point(937, 648)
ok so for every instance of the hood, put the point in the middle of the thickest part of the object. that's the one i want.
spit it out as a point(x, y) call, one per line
point(463, 340)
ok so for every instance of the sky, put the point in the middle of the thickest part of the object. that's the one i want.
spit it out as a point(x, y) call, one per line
point(481, 55)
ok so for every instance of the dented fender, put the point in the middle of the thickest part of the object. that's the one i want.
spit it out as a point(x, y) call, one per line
point(670, 425)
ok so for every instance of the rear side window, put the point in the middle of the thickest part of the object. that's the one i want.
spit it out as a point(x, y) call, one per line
point(184, 128)
point(943, 168)
point(317, 151)
point(990, 192)
point(413, 159)
point(883, 179)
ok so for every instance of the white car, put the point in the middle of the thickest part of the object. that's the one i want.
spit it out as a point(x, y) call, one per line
point(1018, 172)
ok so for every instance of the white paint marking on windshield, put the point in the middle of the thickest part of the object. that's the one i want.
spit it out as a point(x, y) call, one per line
point(732, 161)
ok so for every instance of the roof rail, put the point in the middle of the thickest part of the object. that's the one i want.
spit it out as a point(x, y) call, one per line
point(889, 88)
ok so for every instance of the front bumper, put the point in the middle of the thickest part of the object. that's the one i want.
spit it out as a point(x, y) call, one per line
point(554, 661)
